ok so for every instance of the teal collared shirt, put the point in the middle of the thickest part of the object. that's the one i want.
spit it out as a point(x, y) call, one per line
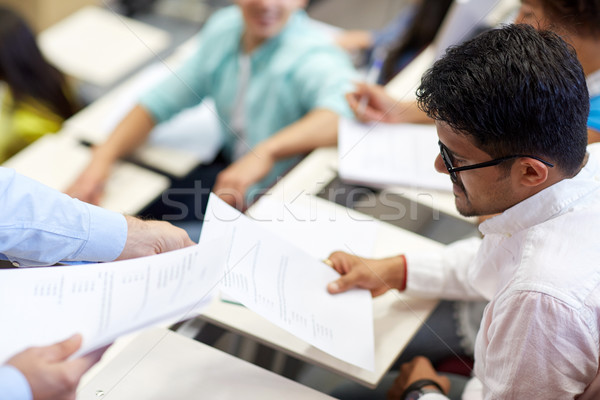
point(291, 74)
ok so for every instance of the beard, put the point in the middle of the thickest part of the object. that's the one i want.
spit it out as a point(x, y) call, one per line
point(462, 201)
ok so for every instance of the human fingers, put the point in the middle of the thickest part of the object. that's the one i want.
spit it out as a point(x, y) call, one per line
point(341, 261)
point(231, 196)
point(229, 189)
point(85, 191)
point(95, 197)
point(397, 389)
point(354, 102)
point(62, 350)
point(173, 237)
point(77, 367)
point(345, 282)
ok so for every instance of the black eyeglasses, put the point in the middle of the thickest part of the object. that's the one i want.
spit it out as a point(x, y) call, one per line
point(447, 158)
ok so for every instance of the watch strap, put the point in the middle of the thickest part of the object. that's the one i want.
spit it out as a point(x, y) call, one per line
point(419, 385)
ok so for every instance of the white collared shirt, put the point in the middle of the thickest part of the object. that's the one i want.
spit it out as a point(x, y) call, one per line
point(539, 265)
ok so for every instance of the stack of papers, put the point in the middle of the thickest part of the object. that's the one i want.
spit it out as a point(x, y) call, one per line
point(249, 263)
point(41, 306)
point(317, 226)
point(287, 286)
point(382, 155)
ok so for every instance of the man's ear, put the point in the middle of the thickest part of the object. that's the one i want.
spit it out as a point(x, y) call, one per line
point(531, 172)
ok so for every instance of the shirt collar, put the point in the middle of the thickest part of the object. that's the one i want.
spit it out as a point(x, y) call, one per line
point(593, 83)
point(546, 204)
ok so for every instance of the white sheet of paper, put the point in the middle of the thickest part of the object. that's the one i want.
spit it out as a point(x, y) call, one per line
point(310, 222)
point(288, 287)
point(390, 154)
point(41, 306)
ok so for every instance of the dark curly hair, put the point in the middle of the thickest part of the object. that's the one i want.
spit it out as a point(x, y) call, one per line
point(578, 16)
point(514, 90)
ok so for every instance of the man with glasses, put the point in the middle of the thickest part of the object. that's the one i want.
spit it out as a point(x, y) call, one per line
point(510, 108)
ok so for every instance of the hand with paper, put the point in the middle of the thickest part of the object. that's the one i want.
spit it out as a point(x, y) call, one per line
point(102, 301)
point(256, 267)
point(285, 285)
point(145, 238)
point(49, 371)
point(378, 276)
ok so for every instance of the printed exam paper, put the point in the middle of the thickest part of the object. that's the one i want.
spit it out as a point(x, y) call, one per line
point(41, 306)
point(287, 286)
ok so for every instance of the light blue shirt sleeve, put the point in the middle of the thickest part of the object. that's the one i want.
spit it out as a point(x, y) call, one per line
point(41, 226)
point(13, 385)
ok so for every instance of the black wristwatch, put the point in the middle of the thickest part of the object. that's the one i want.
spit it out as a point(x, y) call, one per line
point(418, 388)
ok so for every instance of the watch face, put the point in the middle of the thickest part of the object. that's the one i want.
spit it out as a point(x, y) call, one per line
point(413, 395)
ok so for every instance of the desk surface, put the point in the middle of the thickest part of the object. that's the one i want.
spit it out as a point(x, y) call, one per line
point(98, 46)
point(320, 167)
point(57, 160)
point(160, 364)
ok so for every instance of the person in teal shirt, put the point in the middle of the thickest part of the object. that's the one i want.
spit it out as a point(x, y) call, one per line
point(278, 85)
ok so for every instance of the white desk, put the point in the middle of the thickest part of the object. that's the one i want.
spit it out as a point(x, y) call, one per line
point(320, 167)
point(396, 319)
point(396, 316)
point(160, 364)
point(98, 46)
point(57, 160)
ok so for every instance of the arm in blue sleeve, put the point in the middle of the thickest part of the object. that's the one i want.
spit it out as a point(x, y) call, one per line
point(13, 385)
point(41, 226)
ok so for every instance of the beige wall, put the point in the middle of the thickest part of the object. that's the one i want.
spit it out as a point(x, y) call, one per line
point(40, 14)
